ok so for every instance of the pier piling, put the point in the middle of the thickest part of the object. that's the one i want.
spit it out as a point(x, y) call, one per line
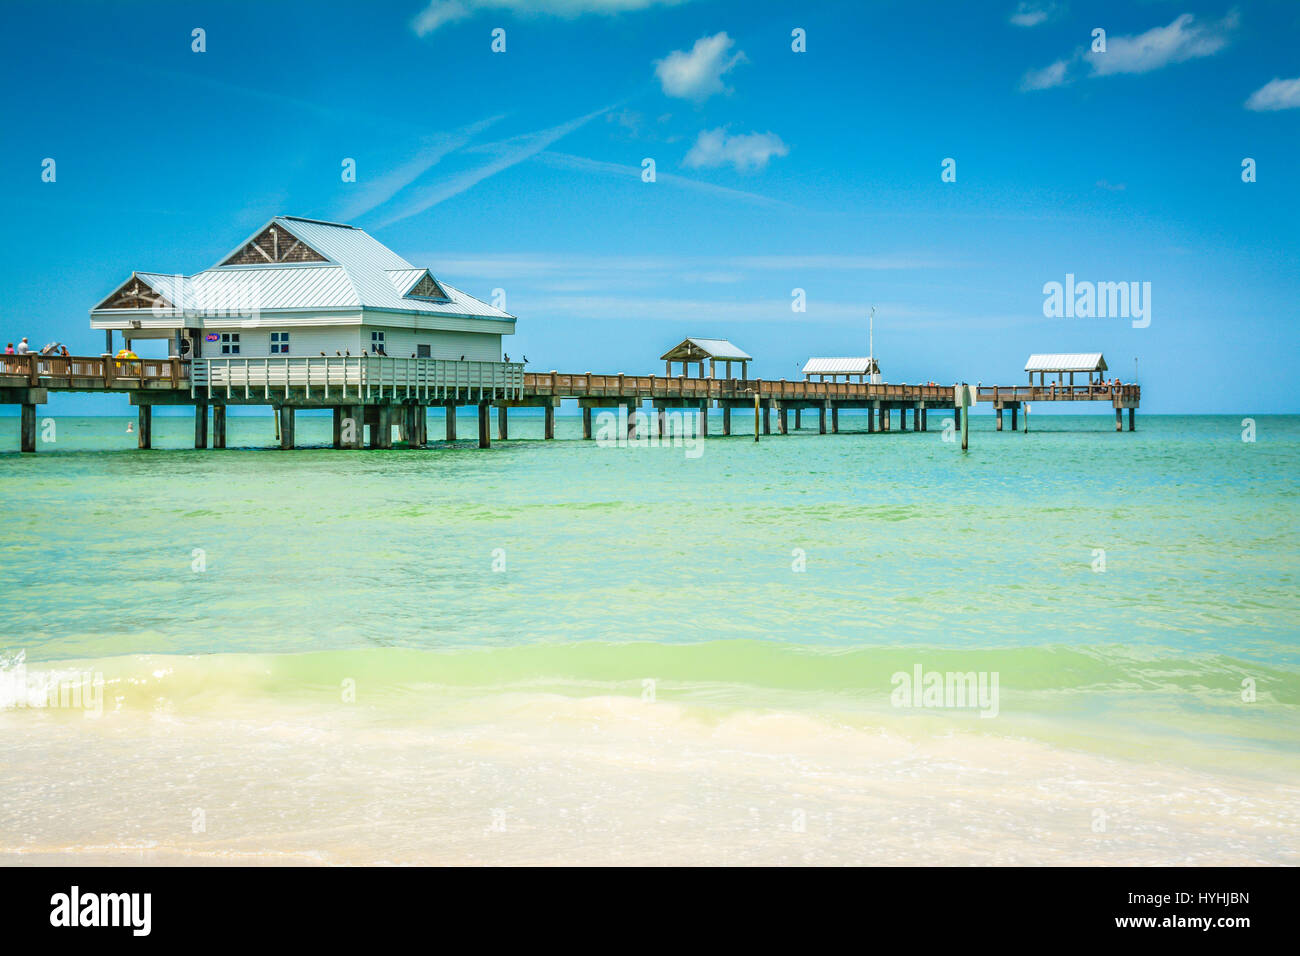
point(285, 413)
point(28, 427)
point(726, 419)
point(821, 419)
point(218, 427)
point(586, 424)
point(201, 421)
point(548, 424)
point(144, 426)
point(484, 432)
point(503, 423)
point(449, 413)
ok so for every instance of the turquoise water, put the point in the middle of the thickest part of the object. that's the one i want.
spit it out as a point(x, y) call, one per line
point(571, 570)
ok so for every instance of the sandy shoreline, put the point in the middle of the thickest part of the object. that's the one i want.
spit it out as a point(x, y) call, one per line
point(535, 779)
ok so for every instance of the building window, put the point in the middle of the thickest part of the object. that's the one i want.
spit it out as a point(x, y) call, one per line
point(377, 343)
point(229, 343)
point(279, 343)
point(422, 351)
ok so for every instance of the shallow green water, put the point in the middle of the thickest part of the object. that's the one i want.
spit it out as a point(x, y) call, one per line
point(579, 568)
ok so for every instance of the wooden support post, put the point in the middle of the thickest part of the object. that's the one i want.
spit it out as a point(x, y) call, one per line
point(835, 419)
point(886, 413)
point(1015, 414)
point(586, 424)
point(144, 426)
point(999, 414)
point(548, 423)
point(27, 438)
point(780, 419)
point(726, 419)
point(798, 419)
point(1119, 419)
point(956, 417)
point(704, 420)
point(767, 418)
point(336, 431)
point(756, 404)
point(484, 432)
point(352, 426)
point(925, 418)
point(631, 410)
point(201, 421)
point(821, 419)
point(285, 413)
point(873, 412)
point(661, 417)
point(449, 413)
point(415, 426)
point(218, 426)
point(902, 419)
point(1132, 414)
point(503, 423)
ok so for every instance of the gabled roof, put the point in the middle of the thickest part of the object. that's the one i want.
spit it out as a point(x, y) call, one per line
point(693, 349)
point(863, 365)
point(1066, 362)
point(320, 266)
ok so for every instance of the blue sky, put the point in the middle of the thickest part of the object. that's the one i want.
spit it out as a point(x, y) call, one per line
point(775, 170)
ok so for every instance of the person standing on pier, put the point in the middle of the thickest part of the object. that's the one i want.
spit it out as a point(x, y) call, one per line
point(23, 347)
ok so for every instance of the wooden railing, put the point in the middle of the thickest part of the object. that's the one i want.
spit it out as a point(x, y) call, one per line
point(589, 385)
point(103, 371)
point(363, 377)
point(1058, 393)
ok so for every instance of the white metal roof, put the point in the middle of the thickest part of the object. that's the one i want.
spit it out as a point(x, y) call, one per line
point(1066, 362)
point(855, 365)
point(361, 273)
point(712, 348)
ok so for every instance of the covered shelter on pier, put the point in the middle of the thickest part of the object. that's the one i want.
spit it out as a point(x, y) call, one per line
point(695, 350)
point(858, 368)
point(1061, 364)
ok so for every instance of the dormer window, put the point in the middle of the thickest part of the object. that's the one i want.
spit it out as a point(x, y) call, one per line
point(427, 288)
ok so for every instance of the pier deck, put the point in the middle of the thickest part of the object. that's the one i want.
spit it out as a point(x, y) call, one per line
point(384, 391)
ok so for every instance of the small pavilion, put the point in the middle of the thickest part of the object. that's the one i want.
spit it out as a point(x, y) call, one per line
point(1061, 364)
point(859, 368)
point(698, 351)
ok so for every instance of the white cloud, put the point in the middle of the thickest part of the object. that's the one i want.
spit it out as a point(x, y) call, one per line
point(1032, 14)
point(697, 75)
point(715, 147)
point(439, 12)
point(1183, 39)
point(1276, 94)
point(1046, 78)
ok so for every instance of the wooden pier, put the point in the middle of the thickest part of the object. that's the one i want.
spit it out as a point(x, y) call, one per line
point(382, 392)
